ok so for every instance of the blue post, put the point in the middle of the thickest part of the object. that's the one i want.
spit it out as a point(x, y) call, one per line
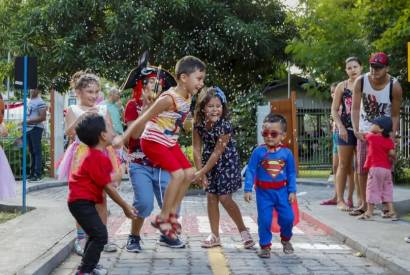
point(25, 94)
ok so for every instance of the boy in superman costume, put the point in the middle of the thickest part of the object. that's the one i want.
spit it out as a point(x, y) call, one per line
point(273, 171)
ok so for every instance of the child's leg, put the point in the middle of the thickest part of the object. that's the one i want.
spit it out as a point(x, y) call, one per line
point(370, 209)
point(188, 177)
point(87, 216)
point(285, 214)
point(373, 190)
point(102, 209)
point(233, 210)
point(171, 194)
point(264, 203)
point(213, 213)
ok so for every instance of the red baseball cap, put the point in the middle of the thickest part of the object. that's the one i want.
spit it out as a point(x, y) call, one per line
point(379, 59)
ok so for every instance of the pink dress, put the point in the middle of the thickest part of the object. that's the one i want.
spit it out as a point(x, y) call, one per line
point(7, 181)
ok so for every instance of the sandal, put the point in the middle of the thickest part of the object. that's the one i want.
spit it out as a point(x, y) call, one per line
point(165, 227)
point(264, 252)
point(287, 247)
point(365, 217)
point(350, 204)
point(173, 219)
point(343, 207)
point(356, 212)
point(211, 241)
point(328, 202)
point(247, 239)
point(390, 215)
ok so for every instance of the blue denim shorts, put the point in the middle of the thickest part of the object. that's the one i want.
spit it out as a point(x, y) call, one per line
point(351, 139)
point(146, 182)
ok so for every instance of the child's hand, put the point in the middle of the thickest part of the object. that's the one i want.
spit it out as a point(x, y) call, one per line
point(130, 212)
point(116, 177)
point(118, 142)
point(292, 197)
point(247, 196)
point(204, 182)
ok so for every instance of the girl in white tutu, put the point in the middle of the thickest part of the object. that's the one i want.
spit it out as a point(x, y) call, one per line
point(7, 181)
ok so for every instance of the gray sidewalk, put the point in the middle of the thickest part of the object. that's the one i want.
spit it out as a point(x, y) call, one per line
point(380, 240)
point(39, 249)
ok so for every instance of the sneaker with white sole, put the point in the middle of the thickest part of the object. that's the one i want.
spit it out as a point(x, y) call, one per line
point(110, 247)
point(79, 246)
point(165, 241)
point(133, 244)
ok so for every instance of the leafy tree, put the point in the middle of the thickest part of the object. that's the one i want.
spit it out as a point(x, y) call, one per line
point(241, 41)
point(329, 32)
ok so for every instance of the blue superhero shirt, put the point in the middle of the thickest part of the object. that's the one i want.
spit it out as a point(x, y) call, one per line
point(271, 167)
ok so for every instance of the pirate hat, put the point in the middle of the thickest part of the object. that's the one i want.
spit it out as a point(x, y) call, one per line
point(144, 70)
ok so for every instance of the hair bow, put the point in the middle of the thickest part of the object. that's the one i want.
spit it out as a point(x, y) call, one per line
point(219, 93)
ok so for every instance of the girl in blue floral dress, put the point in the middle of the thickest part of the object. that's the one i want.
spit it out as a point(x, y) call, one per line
point(218, 165)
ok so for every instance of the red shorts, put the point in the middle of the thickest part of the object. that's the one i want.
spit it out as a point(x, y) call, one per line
point(167, 158)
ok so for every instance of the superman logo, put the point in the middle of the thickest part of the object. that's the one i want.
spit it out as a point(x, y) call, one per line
point(273, 167)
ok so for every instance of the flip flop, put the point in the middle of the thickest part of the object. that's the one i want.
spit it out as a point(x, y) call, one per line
point(328, 202)
point(357, 212)
point(365, 217)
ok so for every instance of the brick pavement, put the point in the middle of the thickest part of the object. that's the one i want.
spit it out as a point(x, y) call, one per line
point(315, 251)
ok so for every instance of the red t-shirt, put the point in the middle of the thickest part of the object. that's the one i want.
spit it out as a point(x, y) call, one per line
point(378, 148)
point(132, 111)
point(88, 182)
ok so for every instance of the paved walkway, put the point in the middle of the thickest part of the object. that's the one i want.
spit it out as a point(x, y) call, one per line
point(316, 251)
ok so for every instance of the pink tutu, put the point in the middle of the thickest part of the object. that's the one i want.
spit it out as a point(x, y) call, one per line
point(64, 166)
point(7, 181)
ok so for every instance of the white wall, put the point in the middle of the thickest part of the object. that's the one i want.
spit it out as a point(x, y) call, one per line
point(261, 112)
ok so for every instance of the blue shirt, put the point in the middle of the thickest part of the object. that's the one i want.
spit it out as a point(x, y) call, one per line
point(271, 167)
point(35, 105)
point(115, 114)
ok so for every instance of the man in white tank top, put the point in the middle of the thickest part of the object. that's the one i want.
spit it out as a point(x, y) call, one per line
point(375, 93)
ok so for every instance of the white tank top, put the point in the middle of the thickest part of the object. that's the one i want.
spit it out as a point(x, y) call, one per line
point(374, 103)
point(102, 110)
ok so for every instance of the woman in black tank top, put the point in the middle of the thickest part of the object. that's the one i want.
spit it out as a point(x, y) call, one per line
point(346, 140)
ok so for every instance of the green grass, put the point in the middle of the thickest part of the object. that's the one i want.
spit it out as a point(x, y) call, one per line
point(5, 216)
point(314, 174)
point(406, 217)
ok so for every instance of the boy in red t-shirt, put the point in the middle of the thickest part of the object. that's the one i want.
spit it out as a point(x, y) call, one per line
point(86, 187)
point(380, 148)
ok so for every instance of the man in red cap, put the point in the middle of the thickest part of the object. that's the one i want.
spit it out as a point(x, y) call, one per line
point(375, 94)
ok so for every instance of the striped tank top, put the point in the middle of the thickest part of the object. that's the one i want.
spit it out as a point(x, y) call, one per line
point(165, 127)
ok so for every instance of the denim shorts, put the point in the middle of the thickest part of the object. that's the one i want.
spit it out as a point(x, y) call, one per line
point(146, 182)
point(351, 139)
point(334, 143)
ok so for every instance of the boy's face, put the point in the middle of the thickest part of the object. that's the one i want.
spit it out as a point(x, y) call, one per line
point(193, 82)
point(272, 133)
point(107, 136)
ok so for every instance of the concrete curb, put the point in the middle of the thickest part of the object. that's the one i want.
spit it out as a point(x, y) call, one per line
point(48, 261)
point(368, 252)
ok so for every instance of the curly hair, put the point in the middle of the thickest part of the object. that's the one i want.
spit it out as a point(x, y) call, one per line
point(203, 98)
point(82, 79)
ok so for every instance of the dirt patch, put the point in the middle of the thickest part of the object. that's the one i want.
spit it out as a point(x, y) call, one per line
point(5, 216)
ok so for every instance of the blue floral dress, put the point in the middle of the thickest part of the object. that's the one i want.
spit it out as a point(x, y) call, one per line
point(225, 177)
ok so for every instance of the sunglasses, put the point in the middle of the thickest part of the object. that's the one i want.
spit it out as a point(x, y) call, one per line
point(273, 134)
